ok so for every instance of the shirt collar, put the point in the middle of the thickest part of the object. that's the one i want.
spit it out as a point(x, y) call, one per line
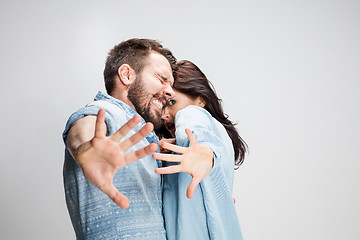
point(151, 137)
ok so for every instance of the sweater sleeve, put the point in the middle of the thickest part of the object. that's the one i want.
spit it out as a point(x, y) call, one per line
point(222, 220)
point(199, 121)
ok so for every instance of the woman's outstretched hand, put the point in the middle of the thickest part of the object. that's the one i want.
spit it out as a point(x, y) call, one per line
point(168, 140)
point(197, 160)
point(101, 157)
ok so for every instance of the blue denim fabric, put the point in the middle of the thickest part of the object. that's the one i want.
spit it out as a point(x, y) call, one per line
point(210, 213)
point(93, 214)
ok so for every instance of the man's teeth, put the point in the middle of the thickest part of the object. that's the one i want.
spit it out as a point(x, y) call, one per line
point(158, 103)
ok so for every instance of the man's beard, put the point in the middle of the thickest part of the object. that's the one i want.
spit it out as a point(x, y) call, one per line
point(141, 100)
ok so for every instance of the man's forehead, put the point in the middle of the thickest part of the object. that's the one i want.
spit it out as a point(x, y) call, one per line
point(155, 57)
point(160, 65)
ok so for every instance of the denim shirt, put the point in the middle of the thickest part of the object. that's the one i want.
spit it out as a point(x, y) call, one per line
point(210, 213)
point(93, 214)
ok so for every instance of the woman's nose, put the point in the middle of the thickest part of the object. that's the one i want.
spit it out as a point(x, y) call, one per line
point(165, 114)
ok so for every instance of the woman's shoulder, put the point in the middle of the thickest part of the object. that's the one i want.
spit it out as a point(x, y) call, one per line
point(193, 112)
point(197, 119)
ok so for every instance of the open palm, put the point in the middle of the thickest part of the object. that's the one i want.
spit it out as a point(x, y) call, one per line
point(101, 157)
point(197, 160)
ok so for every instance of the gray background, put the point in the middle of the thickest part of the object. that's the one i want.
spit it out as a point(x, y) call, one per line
point(287, 71)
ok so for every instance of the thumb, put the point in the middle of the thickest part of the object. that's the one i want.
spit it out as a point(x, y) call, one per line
point(116, 196)
point(192, 187)
point(191, 136)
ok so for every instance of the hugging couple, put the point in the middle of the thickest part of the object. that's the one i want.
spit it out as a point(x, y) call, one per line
point(154, 157)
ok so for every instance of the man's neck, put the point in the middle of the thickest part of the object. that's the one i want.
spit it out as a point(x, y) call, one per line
point(122, 96)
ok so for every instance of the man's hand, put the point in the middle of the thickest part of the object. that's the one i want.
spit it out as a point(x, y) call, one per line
point(197, 160)
point(101, 157)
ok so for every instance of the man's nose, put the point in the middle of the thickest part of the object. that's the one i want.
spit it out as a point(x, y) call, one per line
point(168, 91)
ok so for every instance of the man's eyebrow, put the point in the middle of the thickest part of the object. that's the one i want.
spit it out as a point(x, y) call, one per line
point(162, 77)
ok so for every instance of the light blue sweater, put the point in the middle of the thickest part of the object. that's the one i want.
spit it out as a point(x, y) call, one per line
point(210, 213)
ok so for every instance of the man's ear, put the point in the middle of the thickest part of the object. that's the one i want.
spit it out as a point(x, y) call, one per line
point(200, 102)
point(126, 74)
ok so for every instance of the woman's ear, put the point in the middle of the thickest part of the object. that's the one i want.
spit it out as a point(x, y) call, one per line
point(125, 73)
point(199, 101)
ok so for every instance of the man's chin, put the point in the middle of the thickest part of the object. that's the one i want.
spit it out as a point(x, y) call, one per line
point(157, 123)
point(155, 119)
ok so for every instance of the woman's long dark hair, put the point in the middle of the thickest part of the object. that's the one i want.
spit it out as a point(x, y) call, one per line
point(190, 80)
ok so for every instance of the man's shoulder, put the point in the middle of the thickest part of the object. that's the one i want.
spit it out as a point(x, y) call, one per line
point(116, 114)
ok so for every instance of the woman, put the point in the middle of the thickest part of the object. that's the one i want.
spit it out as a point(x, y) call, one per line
point(208, 212)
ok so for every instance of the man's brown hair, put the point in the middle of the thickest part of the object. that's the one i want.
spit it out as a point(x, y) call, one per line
point(133, 52)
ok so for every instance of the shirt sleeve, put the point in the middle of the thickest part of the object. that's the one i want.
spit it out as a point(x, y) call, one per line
point(112, 113)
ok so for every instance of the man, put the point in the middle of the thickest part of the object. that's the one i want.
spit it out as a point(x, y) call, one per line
point(138, 80)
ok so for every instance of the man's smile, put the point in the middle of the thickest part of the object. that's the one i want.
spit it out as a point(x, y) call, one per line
point(160, 104)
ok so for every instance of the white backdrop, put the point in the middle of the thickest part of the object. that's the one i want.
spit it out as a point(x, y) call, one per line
point(287, 71)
